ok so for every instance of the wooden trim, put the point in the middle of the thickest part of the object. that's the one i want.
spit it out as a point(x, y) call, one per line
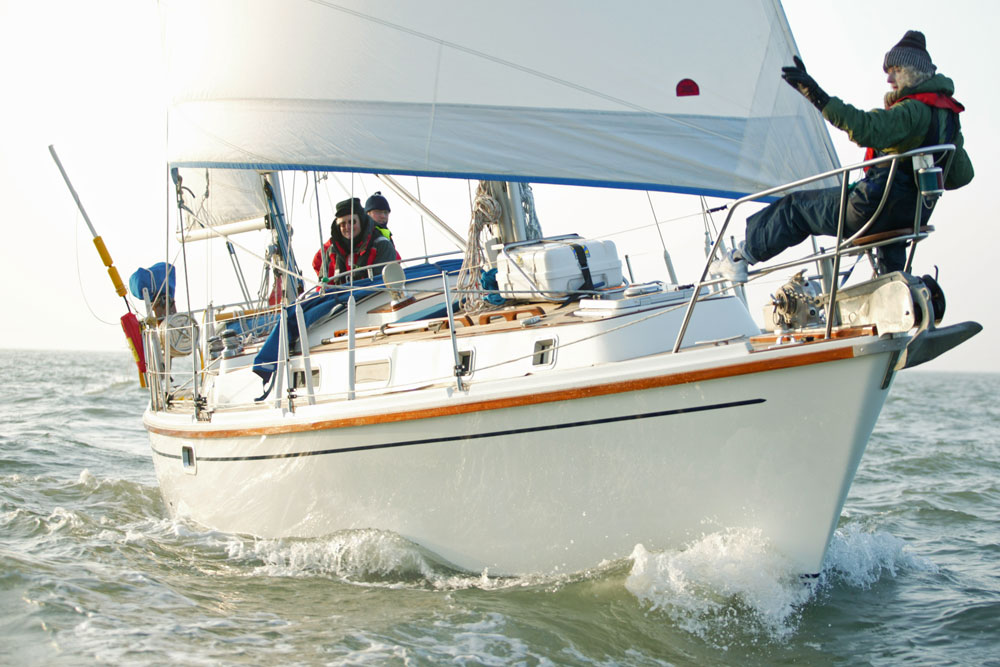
point(687, 377)
point(228, 315)
point(810, 336)
point(393, 306)
point(409, 301)
point(891, 234)
point(387, 329)
point(510, 315)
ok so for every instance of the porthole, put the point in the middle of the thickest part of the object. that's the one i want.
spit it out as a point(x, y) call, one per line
point(465, 362)
point(544, 353)
point(188, 460)
point(299, 379)
point(372, 371)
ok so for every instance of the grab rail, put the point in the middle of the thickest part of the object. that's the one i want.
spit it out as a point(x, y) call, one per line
point(842, 244)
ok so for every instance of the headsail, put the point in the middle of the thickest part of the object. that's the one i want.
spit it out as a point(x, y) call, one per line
point(221, 201)
point(568, 91)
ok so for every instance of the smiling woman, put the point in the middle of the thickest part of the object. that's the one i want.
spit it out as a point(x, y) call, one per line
point(353, 243)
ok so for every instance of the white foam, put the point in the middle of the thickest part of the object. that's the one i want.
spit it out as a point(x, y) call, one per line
point(731, 586)
point(61, 518)
point(370, 557)
point(358, 555)
point(485, 640)
point(859, 558)
point(729, 580)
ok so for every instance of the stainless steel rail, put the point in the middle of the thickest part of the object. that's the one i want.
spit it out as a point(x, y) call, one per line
point(842, 245)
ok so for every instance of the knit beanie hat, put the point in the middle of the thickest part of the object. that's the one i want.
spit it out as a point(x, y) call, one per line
point(377, 203)
point(349, 206)
point(911, 51)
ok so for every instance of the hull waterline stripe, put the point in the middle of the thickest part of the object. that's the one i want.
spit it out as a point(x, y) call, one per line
point(473, 436)
point(687, 377)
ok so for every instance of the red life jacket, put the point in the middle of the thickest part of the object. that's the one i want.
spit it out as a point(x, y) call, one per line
point(363, 256)
point(934, 100)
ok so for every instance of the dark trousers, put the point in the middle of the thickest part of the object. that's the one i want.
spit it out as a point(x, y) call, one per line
point(798, 215)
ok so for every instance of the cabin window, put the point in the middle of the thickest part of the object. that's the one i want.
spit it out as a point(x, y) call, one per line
point(545, 351)
point(188, 461)
point(465, 362)
point(299, 379)
point(372, 371)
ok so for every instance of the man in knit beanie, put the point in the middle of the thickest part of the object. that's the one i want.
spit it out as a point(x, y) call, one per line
point(919, 111)
point(377, 208)
point(911, 51)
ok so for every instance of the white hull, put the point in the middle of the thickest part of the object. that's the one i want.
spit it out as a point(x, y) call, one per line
point(544, 473)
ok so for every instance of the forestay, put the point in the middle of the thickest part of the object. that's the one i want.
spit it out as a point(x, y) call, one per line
point(562, 91)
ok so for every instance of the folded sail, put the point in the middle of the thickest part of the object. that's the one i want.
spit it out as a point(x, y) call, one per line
point(221, 201)
point(682, 97)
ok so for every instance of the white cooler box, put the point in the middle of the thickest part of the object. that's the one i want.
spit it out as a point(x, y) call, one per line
point(554, 269)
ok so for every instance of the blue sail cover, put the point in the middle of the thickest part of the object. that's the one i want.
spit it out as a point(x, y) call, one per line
point(152, 279)
point(682, 97)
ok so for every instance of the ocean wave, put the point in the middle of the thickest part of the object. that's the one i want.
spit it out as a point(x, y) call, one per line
point(721, 587)
point(731, 588)
point(859, 558)
point(115, 383)
point(371, 557)
point(483, 640)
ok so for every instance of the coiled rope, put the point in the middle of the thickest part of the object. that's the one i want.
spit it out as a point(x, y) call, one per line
point(486, 212)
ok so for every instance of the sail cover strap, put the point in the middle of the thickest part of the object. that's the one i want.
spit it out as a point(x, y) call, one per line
point(581, 259)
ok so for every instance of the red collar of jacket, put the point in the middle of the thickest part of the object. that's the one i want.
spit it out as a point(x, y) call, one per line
point(937, 100)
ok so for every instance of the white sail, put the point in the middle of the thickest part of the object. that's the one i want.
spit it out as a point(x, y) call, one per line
point(566, 91)
point(221, 201)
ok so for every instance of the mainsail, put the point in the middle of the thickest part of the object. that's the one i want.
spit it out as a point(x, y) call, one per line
point(681, 97)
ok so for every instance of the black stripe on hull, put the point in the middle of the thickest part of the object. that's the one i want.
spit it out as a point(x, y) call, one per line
point(472, 436)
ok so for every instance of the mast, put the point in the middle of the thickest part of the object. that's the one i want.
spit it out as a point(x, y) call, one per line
point(288, 268)
point(513, 222)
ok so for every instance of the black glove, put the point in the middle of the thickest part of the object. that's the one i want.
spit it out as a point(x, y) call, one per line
point(798, 79)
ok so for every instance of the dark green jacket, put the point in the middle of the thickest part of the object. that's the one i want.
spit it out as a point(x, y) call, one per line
point(902, 126)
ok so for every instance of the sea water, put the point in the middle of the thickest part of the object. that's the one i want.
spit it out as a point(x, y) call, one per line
point(93, 570)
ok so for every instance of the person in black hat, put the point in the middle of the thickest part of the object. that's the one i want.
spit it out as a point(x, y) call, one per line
point(919, 111)
point(377, 208)
point(354, 243)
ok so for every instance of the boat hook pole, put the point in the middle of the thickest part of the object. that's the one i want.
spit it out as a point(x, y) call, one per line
point(98, 241)
point(129, 322)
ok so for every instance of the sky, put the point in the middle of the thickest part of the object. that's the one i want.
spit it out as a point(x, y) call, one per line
point(86, 78)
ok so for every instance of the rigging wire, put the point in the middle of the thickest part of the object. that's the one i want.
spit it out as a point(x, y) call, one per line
point(79, 275)
point(324, 253)
point(644, 227)
point(656, 223)
point(423, 228)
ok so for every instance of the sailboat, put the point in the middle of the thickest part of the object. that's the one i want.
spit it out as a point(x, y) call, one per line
point(529, 405)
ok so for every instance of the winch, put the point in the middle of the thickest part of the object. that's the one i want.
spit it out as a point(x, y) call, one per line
point(796, 305)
